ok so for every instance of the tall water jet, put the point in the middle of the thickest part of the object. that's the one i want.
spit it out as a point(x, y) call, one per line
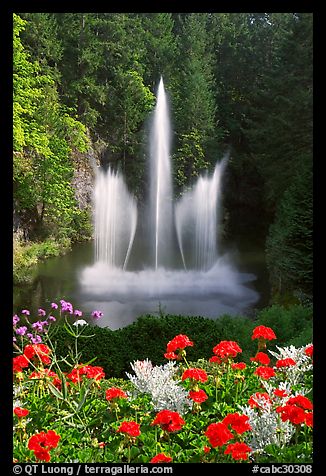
point(115, 219)
point(196, 219)
point(161, 207)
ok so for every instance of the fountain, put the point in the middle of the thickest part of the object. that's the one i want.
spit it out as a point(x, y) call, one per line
point(204, 277)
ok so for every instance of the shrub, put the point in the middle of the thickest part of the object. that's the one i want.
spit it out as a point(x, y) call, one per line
point(145, 337)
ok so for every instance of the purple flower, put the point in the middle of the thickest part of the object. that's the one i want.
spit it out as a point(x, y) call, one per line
point(21, 331)
point(78, 313)
point(44, 323)
point(66, 306)
point(97, 314)
point(38, 326)
point(26, 312)
point(41, 312)
point(15, 319)
point(52, 318)
point(14, 339)
point(36, 340)
point(54, 305)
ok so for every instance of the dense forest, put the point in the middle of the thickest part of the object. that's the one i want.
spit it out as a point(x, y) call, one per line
point(84, 85)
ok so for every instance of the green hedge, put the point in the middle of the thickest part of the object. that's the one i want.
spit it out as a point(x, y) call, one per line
point(148, 335)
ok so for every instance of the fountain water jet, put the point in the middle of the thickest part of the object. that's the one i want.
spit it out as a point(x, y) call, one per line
point(207, 284)
point(115, 219)
point(161, 206)
point(196, 219)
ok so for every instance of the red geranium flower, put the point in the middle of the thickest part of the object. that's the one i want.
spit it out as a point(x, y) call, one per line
point(218, 434)
point(161, 458)
point(171, 355)
point(196, 374)
point(265, 372)
point(42, 454)
point(238, 423)
point(294, 414)
point(131, 428)
point(263, 332)
point(39, 350)
point(90, 372)
point(309, 350)
point(309, 419)
point(114, 392)
point(300, 401)
point(21, 412)
point(227, 348)
point(239, 366)
point(280, 393)
point(258, 399)
point(215, 359)
point(19, 363)
point(93, 372)
point(169, 420)
point(47, 373)
point(179, 342)
point(285, 363)
point(42, 443)
point(238, 450)
point(261, 357)
point(198, 396)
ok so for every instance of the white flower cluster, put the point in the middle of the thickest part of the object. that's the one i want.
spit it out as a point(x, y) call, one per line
point(158, 381)
point(294, 374)
point(267, 426)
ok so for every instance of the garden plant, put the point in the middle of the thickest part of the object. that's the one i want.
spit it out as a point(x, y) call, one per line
point(205, 411)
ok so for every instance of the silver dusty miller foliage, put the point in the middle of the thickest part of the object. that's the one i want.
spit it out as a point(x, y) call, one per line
point(159, 382)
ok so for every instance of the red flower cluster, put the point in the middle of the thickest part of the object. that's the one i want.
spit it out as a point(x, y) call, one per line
point(261, 358)
point(263, 332)
point(238, 450)
point(21, 412)
point(161, 458)
point(238, 423)
point(218, 434)
point(198, 396)
point(76, 375)
point(178, 342)
point(297, 411)
point(265, 372)
point(114, 392)
point(285, 363)
point(19, 363)
point(168, 420)
point(227, 348)
point(130, 428)
point(47, 373)
point(41, 351)
point(42, 443)
point(195, 374)
point(238, 366)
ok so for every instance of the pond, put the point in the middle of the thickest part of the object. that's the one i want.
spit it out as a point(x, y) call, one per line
point(74, 278)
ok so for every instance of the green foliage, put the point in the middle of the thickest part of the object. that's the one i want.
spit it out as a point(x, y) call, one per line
point(44, 135)
point(289, 244)
point(26, 256)
point(148, 335)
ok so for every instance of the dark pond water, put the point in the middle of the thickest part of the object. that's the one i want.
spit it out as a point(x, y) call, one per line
point(238, 285)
